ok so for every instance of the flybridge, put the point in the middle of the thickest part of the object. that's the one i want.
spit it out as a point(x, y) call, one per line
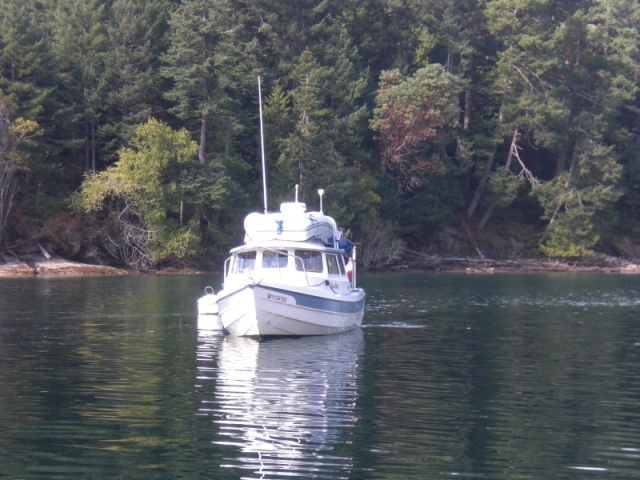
point(292, 223)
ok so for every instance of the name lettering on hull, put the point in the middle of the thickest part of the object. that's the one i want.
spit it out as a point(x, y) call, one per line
point(277, 298)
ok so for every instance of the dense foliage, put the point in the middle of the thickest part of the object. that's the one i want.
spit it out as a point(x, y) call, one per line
point(129, 128)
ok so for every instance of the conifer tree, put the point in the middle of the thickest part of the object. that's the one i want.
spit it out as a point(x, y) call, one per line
point(200, 63)
point(304, 154)
point(25, 60)
point(79, 45)
point(12, 160)
point(323, 149)
point(136, 36)
point(557, 97)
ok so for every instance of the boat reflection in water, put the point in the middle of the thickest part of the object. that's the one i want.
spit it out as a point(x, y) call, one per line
point(286, 404)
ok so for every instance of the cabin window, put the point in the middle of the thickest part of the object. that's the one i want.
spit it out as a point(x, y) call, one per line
point(308, 261)
point(271, 259)
point(245, 261)
point(332, 264)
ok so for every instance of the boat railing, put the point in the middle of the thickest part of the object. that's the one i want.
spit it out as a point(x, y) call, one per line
point(304, 269)
point(279, 253)
point(227, 263)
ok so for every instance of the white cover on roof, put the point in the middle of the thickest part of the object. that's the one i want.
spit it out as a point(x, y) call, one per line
point(292, 223)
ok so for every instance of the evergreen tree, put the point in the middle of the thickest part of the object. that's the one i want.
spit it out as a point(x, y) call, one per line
point(305, 156)
point(27, 77)
point(545, 94)
point(386, 32)
point(12, 161)
point(323, 150)
point(25, 60)
point(556, 97)
point(204, 62)
point(79, 45)
point(210, 65)
point(136, 37)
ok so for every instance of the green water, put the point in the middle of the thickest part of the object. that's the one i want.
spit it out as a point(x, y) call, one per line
point(502, 376)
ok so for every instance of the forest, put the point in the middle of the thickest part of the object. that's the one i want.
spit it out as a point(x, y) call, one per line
point(129, 129)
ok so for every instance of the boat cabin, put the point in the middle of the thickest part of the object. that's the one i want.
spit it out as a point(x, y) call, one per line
point(299, 264)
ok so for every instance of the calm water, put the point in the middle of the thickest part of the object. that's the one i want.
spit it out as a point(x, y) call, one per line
point(514, 376)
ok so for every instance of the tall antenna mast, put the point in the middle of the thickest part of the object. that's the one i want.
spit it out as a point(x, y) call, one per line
point(264, 168)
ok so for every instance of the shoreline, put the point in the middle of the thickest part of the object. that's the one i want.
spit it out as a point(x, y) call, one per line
point(435, 263)
point(36, 265)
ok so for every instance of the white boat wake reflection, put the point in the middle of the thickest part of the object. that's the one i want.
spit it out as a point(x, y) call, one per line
point(286, 405)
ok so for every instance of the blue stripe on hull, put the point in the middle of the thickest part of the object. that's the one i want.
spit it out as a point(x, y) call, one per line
point(320, 303)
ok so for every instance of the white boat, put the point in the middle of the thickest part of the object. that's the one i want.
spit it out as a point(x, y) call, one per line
point(289, 278)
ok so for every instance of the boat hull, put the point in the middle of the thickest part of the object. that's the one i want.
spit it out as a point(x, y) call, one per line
point(263, 310)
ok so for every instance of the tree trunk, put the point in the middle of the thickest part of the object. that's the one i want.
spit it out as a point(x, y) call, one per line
point(473, 240)
point(87, 148)
point(93, 145)
point(7, 168)
point(483, 181)
point(487, 214)
point(514, 145)
point(561, 163)
point(560, 166)
point(203, 137)
point(227, 141)
point(468, 105)
point(181, 212)
point(487, 170)
point(7, 192)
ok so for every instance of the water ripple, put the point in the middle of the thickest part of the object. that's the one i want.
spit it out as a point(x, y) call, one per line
point(286, 406)
point(451, 376)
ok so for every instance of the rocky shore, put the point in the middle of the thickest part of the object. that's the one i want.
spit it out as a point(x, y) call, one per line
point(436, 263)
point(29, 265)
point(55, 266)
